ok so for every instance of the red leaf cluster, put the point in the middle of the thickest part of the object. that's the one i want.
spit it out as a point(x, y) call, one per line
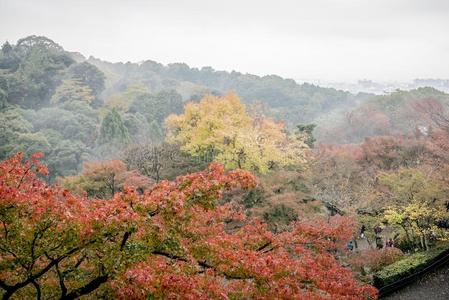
point(172, 241)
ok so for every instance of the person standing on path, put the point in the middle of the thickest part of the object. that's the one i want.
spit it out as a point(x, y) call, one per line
point(377, 231)
point(362, 232)
point(350, 246)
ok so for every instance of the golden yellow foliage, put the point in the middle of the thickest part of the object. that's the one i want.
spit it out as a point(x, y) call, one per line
point(419, 203)
point(220, 126)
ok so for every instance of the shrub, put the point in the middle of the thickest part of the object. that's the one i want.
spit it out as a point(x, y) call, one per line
point(409, 265)
point(279, 216)
point(255, 196)
point(375, 259)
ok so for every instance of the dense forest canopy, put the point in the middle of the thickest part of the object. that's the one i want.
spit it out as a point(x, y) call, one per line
point(151, 181)
point(75, 109)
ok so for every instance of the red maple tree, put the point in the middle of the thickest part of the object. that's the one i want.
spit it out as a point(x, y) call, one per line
point(173, 241)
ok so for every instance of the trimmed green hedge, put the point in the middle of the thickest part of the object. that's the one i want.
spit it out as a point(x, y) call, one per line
point(409, 265)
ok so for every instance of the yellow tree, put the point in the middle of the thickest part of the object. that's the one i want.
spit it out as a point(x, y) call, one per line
point(221, 127)
point(417, 219)
point(418, 203)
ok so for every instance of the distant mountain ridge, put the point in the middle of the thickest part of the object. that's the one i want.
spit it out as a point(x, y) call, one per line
point(284, 99)
point(341, 116)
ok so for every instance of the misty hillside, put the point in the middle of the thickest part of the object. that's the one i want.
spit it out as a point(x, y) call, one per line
point(341, 117)
point(60, 103)
point(395, 114)
point(283, 98)
point(143, 180)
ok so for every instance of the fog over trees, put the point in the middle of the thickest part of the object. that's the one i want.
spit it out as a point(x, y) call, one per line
point(156, 179)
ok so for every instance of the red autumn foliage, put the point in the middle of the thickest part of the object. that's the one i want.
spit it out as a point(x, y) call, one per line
point(172, 241)
point(102, 179)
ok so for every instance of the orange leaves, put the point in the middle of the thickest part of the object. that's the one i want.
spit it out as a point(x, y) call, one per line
point(172, 241)
point(237, 178)
point(325, 234)
point(40, 168)
point(165, 280)
point(102, 179)
point(29, 195)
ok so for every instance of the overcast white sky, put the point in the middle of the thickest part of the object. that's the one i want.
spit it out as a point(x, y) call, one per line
point(336, 40)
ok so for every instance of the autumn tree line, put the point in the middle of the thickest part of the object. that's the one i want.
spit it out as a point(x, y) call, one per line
point(137, 181)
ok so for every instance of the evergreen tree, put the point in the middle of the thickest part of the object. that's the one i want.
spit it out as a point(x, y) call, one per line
point(113, 130)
